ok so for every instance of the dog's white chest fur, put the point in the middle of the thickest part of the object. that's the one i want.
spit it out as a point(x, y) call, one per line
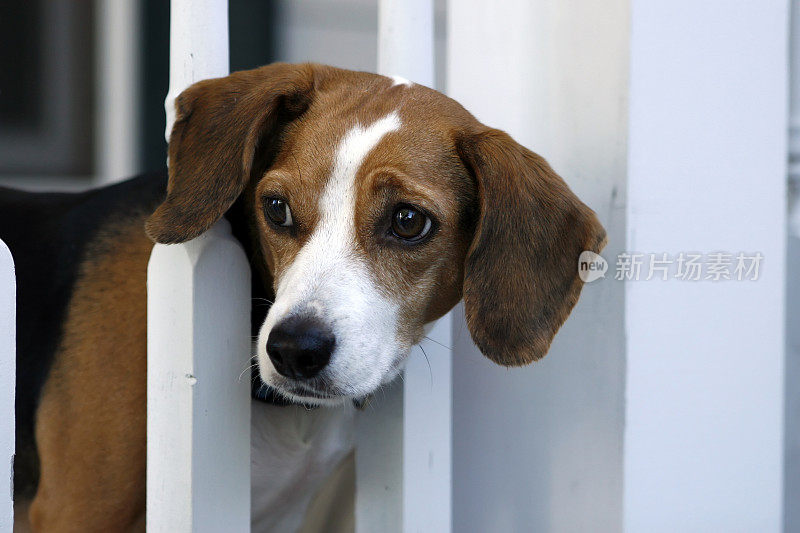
point(293, 450)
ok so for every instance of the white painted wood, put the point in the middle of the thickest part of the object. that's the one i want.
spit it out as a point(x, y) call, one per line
point(403, 442)
point(198, 46)
point(405, 40)
point(198, 424)
point(8, 372)
point(706, 172)
point(427, 433)
point(118, 74)
point(403, 445)
point(379, 462)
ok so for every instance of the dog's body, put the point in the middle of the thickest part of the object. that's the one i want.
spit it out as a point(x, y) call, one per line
point(367, 208)
point(81, 261)
point(77, 257)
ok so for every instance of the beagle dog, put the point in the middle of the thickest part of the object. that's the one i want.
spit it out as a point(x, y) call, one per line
point(368, 207)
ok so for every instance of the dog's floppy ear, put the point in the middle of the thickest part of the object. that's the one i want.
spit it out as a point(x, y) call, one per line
point(521, 272)
point(219, 126)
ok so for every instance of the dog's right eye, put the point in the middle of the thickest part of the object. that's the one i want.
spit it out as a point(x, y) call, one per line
point(278, 212)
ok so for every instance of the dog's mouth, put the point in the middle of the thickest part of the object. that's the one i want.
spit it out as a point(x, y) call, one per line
point(312, 392)
point(302, 390)
point(309, 396)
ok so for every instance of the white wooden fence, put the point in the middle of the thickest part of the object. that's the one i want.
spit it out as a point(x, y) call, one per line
point(673, 421)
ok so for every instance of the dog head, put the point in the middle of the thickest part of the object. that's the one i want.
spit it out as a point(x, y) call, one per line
point(376, 205)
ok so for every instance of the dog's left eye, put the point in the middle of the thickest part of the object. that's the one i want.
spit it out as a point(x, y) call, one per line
point(278, 212)
point(410, 224)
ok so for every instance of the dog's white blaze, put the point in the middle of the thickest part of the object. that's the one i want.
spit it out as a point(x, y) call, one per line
point(400, 80)
point(330, 279)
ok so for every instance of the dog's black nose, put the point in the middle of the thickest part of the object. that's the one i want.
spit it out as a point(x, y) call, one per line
point(300, 347)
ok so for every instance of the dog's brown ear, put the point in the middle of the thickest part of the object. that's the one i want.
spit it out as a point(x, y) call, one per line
point(220, 124)
point(521, 273)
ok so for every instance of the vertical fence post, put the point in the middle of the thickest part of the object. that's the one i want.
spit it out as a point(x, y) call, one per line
point(198, 408)
point(540, 447)
point(705, 360)
point(403, 448)
point(8, 366)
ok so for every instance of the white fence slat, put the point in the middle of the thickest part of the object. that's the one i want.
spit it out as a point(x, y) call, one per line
point(198, 46)
point(198, 421)
point(403, 441)
point(427, 435)
point(403, 445)
point(539, 448)
point(8, 367)
point(405, 40)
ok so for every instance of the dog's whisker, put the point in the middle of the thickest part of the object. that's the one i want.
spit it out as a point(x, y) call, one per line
point(261, 302)
point(430, 370)
point(249, 367)
point(437, 342)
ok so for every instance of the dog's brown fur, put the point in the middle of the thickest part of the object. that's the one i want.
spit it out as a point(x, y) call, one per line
point(91, 422)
